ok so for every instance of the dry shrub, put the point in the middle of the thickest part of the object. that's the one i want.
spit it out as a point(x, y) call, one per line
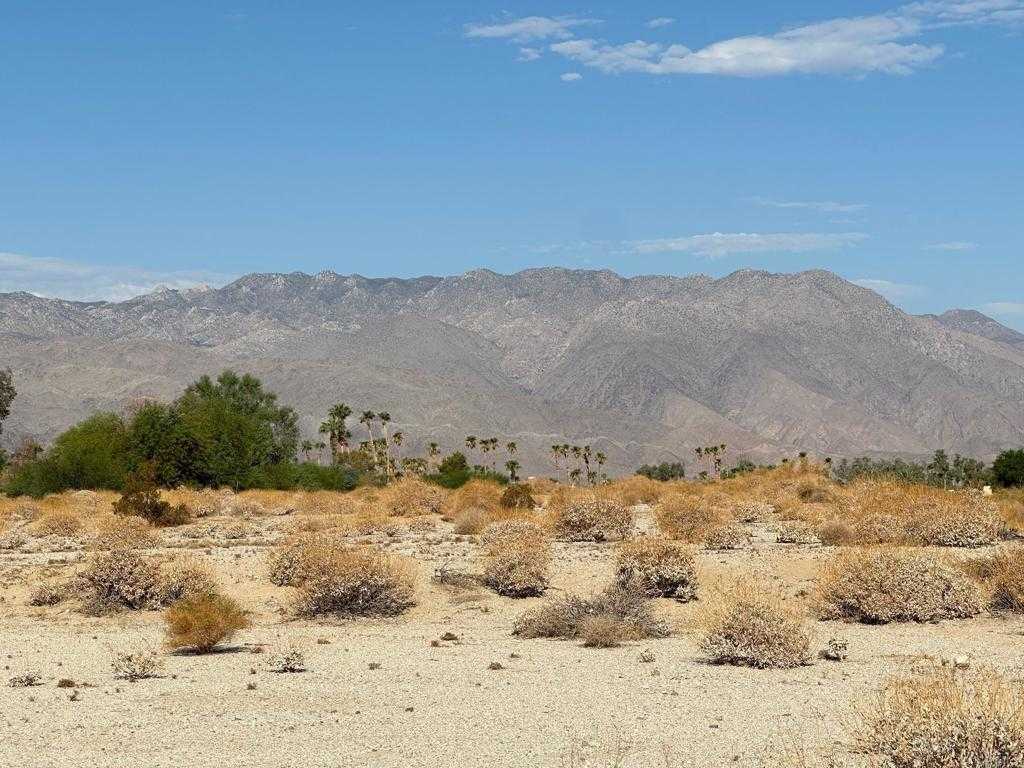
point(630, 491)
point(292, 563)
point(945, 718)
point(751, 511)
point(729, 536)
point(120, 578)
point(1001, 575)
point(131, 532)
point(518, 496)
point(185, 580)
point(354, 582)
point(476, 494)
point(564, 616)
point(602, 631)
point(472, 521)
point(47, 594)
point(517, 557)
point(136, 665)
point(410, 497)
point(592, 520)
point(689, 517)
point(884, 584)
point(835, 533)
point(955, 520)
point(752, 628)
point(286, 659)
point(202, 622)
point(58, 523)
point(371, 520)
point(814, 491)
point(796, 532)
point(663, 568)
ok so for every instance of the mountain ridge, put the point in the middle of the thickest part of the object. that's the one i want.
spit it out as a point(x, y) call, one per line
point(646, 367)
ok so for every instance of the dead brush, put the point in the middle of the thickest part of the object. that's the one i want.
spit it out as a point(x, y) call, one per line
point(630, 491)
point(879, 585)
point(120, 578)
point(517, 556)
point(201, 623)
point(292, 563)
point(564, 616)
point(661, 567)
point(116, 532)
point(471, 522)
point(476, 494)
point(361, 581)
point(746, 626)
point(411, 497)
point(946, 718)
point(592, 520)
point(689, 517)
point(61, 522)
point(1001, 575)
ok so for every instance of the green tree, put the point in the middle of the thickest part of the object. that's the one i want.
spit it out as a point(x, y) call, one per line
point(7, 395)
point(336, 429)
point(157, 436)
point(1008, 468)
point(238, 428)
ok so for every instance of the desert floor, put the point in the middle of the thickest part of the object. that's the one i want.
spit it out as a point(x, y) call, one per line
point(440, 704)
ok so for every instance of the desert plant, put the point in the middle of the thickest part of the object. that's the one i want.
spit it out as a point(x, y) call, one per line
point(689, 517)
point(202, 622)
point(749, 627)
point(884, 584)
point(602, 631)
point(141, 498)
point(663, 568)
point(411, 496)
point(136, 665)
point(114, 532)
point(120, 578)
point(47, 594)
point(517, 496)
point(516, 559)
point(1001, 575)
point(58, 523)
point(729, 536)
point(564, 616)
point(945, 718)
point(287, 658)
point(356, 582)
point(185, 580)
point(592, 520)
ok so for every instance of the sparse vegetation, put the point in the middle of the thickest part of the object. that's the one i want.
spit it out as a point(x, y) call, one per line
point(882, 585)
point(564, 616)
point(516, 560)
point(592, 520)
point(136, 665)
point(1001, 575)
point(750, 627)
point(202, 622)
point(663, 568)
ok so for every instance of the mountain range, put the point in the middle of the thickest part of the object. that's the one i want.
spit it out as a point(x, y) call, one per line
point(641, 368)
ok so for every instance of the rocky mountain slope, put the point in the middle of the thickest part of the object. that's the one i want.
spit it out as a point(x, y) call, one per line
point(642, 368)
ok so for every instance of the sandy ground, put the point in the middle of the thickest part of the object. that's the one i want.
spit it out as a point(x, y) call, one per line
point(553, 703)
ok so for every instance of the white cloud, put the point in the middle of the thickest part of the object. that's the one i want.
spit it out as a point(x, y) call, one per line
point(1004, 308)
point(661, 21)
point(889, 43)
point(58, 278)
point(529, 28)
point(529, 54)
point(952, 246)
point(720, 244)
point(571, 77)
point(892, 291)
point(825, 206)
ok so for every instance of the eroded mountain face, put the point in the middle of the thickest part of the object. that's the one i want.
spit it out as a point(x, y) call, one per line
point(642, 368)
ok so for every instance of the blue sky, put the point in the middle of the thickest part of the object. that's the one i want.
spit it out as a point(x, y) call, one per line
point(145, 143)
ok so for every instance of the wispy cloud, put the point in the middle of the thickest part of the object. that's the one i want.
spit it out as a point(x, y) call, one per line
point(530, 28)
point(824, 206)
point(1004, 308)
point(890, 43)
point(571, 77)
point(892, 291)
point(529, 54)
point(952, 246)
point(58, 278)
point(661, 21)
point(719, 244)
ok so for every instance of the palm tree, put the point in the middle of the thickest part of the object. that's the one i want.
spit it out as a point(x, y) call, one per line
point(385, 419)
point(320, 446)
point(512, 466)
point(511, 447)
point(433, 451)
point(367, 420)
point(335, 428)
point(307, 448)
point(397, 439)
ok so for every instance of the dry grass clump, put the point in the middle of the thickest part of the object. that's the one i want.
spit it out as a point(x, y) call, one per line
point(473, 521)
point(663, 568)
point(476, 494)
point(689, 517)
point(333, 578)
point(729, 536)
point(47, 594)
point(602, 631)
point(120, 578)
point(814, 490)
point(202, 622)
point(630, 491)
point(411, 497)
point(945, 718)
point(61, 522)
point(592, 520)
point(518, 496)
point(136, 665)
point(836, 533)
point(882, 585)
point(796, 532)
point(516, 559)
point(751, 628)
point(565, 616)
point(128, 532)
point(1001, 575)
point(185, 580)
